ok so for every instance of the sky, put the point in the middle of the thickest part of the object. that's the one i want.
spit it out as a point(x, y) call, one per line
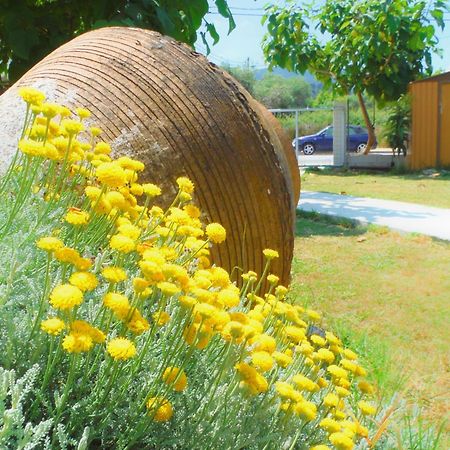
point(243, 45)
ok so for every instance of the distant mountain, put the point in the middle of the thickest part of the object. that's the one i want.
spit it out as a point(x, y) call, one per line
point(259, 73)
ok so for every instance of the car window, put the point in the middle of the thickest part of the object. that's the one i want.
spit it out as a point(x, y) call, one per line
point(329, 132)
point(352, 130)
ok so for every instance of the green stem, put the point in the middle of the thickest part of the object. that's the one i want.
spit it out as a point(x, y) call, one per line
point(43, 297)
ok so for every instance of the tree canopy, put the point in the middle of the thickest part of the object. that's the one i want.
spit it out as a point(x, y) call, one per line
point(30, 29)
point(244, 75)
point(366, 46)
point(274, 91)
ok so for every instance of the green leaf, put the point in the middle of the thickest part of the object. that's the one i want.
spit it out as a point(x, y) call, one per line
point(213, 33)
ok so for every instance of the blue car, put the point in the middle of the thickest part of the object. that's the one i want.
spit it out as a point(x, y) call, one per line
point(323, 140)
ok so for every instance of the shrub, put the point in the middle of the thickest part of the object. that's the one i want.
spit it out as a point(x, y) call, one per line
point(398, 123)
point(135, 339)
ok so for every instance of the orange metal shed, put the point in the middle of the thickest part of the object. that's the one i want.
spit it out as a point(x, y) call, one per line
point(430, 128)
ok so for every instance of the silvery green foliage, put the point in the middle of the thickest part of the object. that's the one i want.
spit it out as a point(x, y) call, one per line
point(15, 433)
point(65, 442)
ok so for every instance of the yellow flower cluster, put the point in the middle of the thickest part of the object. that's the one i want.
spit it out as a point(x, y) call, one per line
point(156, 279)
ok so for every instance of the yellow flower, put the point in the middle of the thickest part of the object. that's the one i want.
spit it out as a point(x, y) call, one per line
point(331, 400)
point(102, 148)
point(116, 199)
point(313, 315)
point(318, 340)
point(349, 354)
point(83, 264)
point(121, 349)
point(151, 190)
point(95, 131)
point(192, 211)
point(31, 95)
point(365, 387)
point(337, 372)
point(122, 244)
point(118, 303)
point(176, 378)
point(49, 243)
point(83, 113)
point(114, 274)
point(129, 230)
point(270, 254)
point(216, 233)
point(332, 339)
point(130, 164)
point(325, 355)
point(140, 284)
point(67, 255)
point(84, 281)
point(136, 323)
point(330, 425)
point(168, 288)
point(50, 110)
point(187, 301)
point(66, 296)
point(64, 111)
point(80, 327)
point(305, 384)
point(160, 409)
point(77, 343)
point(111, 174)
point(52, 326)
point(294, 333)
point(228, 297)
point(281, 291)
point(262, 360)
point(273, 279)
point(252, 380)
point(342, 392)
point(264, 342)
point(287, 392)
point(161, 318)
point(72, 126)
point(185, 185)
point(76, 217)
point(320, 447)
point(306, 410)
point(31, 148)
point(366, 408)
point(341, 441)
point(282, 359)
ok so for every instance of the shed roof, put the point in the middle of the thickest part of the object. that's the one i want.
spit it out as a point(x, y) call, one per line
point(440, 77)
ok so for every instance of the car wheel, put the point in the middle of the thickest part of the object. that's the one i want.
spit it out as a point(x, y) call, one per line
point(361, 147)
point(309, 149)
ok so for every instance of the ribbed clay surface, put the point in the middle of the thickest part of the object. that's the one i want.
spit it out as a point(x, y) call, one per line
point(167, 106)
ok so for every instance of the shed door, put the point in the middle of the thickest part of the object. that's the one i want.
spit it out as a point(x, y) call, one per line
point(445, 125)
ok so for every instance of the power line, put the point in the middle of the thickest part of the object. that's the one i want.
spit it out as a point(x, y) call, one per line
point(238, 14)
point(246, 9)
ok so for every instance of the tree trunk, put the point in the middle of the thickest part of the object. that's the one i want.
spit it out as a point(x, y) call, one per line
point(369, 125)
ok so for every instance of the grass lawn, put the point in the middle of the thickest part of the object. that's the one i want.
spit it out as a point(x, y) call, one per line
point(389, 293)
point(414, 187)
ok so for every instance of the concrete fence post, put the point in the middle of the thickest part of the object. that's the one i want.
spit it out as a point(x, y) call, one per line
point(340, 134)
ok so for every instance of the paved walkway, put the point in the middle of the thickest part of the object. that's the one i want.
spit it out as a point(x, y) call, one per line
point(399, 216)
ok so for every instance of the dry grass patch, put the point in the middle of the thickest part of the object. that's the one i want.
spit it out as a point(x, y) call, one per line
point(394, 288)
point(431, 190)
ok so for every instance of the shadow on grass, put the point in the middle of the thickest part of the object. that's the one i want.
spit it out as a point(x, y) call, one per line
point(314, 224)
point(443, 175)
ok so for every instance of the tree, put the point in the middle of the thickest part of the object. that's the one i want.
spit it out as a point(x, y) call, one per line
point(275, 91)
point(30, 29)
point(244, 75)
point(375, 47)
